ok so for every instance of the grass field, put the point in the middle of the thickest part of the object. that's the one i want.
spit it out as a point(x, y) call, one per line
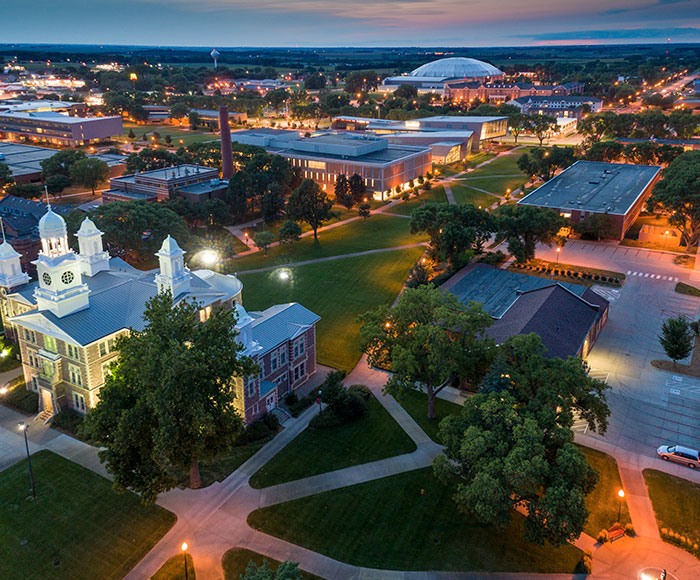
point(416, 403)
point(77, 528)
point(603, 502)
point(495, 185)
point(338, 291)
point(465, 194)
point(236, 560)
point(379, 231)
point(176, 132)
point(372, 437)
point(174, 569)
point(435, 195)
point(342, 214)
point(676, 503)
point(407, 522)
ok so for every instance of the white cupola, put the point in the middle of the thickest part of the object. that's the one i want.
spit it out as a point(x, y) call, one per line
point(244, 326)
point(61, 289)
point(11, 274)
point(92, 256)
point(173, 275)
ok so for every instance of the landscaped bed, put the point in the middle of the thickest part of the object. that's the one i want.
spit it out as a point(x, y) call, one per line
point(687, 289)
point(372, 437)
point(407, 522)
point(236, 560)
point(570, 273)
point(77, 528)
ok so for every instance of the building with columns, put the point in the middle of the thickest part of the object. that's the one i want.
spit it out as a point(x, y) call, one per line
point(67, 321)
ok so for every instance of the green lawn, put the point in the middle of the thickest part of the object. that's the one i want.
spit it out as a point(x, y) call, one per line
point(174, 569)
point(338, 291)
point(644, 219)
point(504, 165)
point(379, 231)
point(176, 133)
point(416, 404)
point(603, 502)
point(372, 437)
point(77, 528)
point(407, 522)
point(676, 503)
point(465, 194)
point(495, 185)
point(224, 465)
point(435, 195)
point(236, 560)
point(342, 213)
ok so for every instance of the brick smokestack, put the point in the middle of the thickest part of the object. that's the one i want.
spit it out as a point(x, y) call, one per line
point(226, 153)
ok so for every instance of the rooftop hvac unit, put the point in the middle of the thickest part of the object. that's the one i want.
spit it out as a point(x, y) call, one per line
point(594, 182)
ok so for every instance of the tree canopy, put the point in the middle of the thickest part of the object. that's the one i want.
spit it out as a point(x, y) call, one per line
point(525, 226)
point(310, 204)
point(89, 172)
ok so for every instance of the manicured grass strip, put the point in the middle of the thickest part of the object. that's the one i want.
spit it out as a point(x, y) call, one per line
point(603, 501)
point(342, 214)
point(220, 468)
point(235, 562)
point(435, 195)
point(379, 231)
point(77, 528)
point(407, 522)
point(495, 185)
point(372, 437)
point(175, 131)
point(687, 289)
point(416, 404)
point(676, 503)
point(338, 291)
point(174, 569)
point(465, 194)
point(504, 165)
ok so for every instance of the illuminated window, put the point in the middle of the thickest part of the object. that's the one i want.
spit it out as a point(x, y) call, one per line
point(566, 215)
point(317, 165)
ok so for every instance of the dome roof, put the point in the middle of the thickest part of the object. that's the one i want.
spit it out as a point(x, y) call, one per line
point(7, 251)
point(52, 225)
point(87, 228)
point(455, 68)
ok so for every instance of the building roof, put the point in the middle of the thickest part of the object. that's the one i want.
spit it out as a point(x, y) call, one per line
point(54, 117)
point(569, 99)
point(559, 312)
point(456, 67)
point(280, 323)
point(594, 186)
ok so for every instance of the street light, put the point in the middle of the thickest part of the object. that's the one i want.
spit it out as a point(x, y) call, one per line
point(621, 496)
point(558, 251)
point(184, 553)
point(24, 427)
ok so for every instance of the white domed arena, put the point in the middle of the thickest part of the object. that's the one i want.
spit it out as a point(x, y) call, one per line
point(431, 77)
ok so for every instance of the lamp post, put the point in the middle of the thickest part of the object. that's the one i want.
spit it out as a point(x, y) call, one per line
point(24, 427)
point(558, 251)
point(318, 400)
point(621, 496)
point(246, 238)
point(184, 554)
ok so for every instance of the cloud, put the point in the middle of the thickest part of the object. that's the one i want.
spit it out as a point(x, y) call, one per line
point(637, 9)
point(687, 33)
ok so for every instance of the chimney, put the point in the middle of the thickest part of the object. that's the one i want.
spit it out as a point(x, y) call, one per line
point(226, 153)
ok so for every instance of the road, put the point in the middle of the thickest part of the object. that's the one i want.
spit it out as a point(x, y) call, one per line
point(649, 406)
point(675, 86)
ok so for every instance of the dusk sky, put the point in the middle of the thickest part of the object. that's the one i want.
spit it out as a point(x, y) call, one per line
point(223, 23)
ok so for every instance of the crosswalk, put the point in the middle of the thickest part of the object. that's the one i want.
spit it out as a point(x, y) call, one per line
point(652, 276)
point(610, 294)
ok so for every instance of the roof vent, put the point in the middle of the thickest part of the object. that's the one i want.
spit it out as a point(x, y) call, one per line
point(594, 182)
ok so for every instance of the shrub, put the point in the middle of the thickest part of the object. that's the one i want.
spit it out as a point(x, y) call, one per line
point(256, 431)
point(291, 399)
point(361, 391)
point(603, 536)
point(342, 404)
point(20, 399)
point(629, 530)
point(271, 421)
point(68, 420)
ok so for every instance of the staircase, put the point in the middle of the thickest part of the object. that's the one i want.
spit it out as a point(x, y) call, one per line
point(282, 415)
point(45, 416)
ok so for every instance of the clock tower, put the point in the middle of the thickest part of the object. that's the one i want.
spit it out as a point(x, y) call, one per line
point(61, 289)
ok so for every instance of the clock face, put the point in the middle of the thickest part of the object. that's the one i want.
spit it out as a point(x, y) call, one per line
point(46, 278)
point(67, 277)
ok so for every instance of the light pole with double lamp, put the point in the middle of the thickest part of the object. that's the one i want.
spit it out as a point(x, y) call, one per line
point(24, 427)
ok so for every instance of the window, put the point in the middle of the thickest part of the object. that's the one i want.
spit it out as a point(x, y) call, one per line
point(204, 314)
point(317, 165)
point(283, 356)
point(76, 376)
point(29, 335)
point(273, 361)
point(35, 384)
point(50, 344)
point(105, 371)
point(73, 351)
point(299, 347)
point(79, 401)
point(299, 371)
point(251, 387)
point(106, 346)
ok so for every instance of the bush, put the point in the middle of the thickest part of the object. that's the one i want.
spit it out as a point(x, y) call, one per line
point(629, 530)
point(494, 258)
point(271, 422)
point(585, 565)
point(256, 431)
point(603, 536)
point(361, 391)
point(20, 399)
point(342, 404)
point(291, 399)
point(68, 420)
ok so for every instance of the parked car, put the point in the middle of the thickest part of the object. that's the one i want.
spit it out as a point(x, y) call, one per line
point(680, 454)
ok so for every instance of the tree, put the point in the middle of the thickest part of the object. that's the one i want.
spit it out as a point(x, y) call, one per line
point(25, 190)
point(148, 159)
point(215, 212)
point(542, 125)
point(525, 226)
point(315, 82)
point(131, 134)
point(89, 172)
point(277, 98)
point(545, 162)
point(56, 183)
point(289, 232)
point(285, 571)
point(60, 163)
point(679, 193)
point(406, 91)
point(361, 81)
point(309, 203)
point(342, 192)
point(683, 123)
point(194, 119)
point(263, 240)
point(357, 188)
point(430, 338)
point(605, 151)
point(676, 338)
point(179, 110)
point(148, 419)
point(453, 229)
point(518, 124)
point(513, 445)
point(364, 210)
point(598, 226)
point(5, 174)
point(272, 203)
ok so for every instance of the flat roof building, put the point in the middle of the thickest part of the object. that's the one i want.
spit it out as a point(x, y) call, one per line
point(558, 105)
point(323, 156)
point(193, 182)
point(58, 129)
point(594, 187)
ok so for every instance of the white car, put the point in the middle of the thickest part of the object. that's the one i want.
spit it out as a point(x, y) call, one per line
point(680, 454)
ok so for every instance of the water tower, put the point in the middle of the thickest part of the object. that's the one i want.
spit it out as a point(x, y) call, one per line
point(215, 55)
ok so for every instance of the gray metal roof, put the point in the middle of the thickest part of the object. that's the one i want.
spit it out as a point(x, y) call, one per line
point(281, 322)
point(594, 186)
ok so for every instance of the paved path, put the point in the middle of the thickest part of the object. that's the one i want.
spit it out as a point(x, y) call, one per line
point(448, 193)
point(331, 258)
